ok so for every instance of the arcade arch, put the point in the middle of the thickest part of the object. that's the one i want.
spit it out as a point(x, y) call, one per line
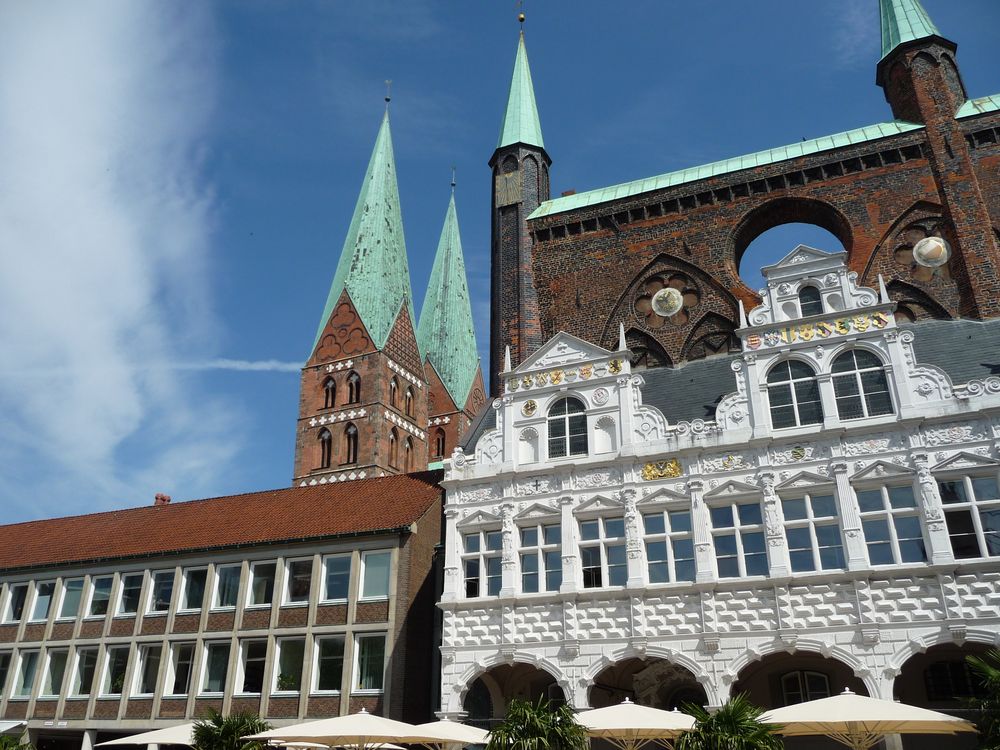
point(654, 682)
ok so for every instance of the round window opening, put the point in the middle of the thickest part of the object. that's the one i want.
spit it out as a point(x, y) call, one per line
point(666, 299)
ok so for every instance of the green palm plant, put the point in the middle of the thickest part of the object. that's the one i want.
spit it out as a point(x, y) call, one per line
point(736, 725)
point(218, 732)
point(987, 706)
point(14, 742)
point(538, 726)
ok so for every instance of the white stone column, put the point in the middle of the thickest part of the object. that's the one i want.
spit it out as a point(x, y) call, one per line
point(828, 399)
point(938, 542)
point(508, 556)
point(633, 540)
point(774, 529)
point(704, 563)
point(569, 551)
point(452, 560)
point(850, 519)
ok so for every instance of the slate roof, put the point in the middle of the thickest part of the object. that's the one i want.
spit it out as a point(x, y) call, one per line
point(904, 21)
point(363, 506)
point(373, 266)
point(520, 119)
point(965, 349)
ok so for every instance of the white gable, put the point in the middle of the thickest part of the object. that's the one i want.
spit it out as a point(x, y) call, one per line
point(562, 349)
point(964, 460)
point(880, 470)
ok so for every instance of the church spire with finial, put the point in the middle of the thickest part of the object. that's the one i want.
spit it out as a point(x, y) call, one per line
point(904, 21)
point(520, 121)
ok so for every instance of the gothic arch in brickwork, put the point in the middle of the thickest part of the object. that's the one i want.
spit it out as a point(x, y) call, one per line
point(713, 334)
point(913, 303)
point(666, 337)
point(646, 351)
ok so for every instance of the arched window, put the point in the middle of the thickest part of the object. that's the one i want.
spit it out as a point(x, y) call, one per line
point(408, 402)
point(325, 448)
point(567, 425)
point(393, 448)
point(350, 444)
point(408, 455)
point(794, 394)
point(329, 393)
point(810, 302)
point(860, 385)
point(439, 441)
point(353, 388)
point(393, 393)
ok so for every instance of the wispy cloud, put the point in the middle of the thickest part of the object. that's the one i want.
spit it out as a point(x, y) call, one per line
point(855, 26)
point(105, 224)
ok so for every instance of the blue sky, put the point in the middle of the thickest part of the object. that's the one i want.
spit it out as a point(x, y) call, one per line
point(178, 180)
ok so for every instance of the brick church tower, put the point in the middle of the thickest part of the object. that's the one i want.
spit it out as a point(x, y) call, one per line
point(374, 401)
point(520, 167)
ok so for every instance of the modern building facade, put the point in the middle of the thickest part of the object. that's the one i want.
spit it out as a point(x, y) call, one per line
point(818, 512)
point(295, 603)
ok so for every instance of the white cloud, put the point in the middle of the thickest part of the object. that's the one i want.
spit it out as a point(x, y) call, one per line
point(855, 25)
point(105, 226)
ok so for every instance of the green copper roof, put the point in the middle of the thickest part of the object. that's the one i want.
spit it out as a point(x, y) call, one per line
point(903, 21)
point(770, 156)
point(372, 264)
point(446, 335)
point(520, 120)
point(979, 106)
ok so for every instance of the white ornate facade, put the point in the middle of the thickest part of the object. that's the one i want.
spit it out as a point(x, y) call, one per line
point(840, 511)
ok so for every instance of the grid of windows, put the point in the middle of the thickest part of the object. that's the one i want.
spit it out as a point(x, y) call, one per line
point(336, 577)
point(481, 563)
point(216, 667)
point(738, 533)
point(972, 513)
point(72, 596)
point(860, 385)
point(298, 580)
point(891, 525)
point(26, 674)
point(669, 546)
point(227, 586)
point(602, 552)
point(182, 661)
point(16, 597)
point(288, 675)
point(43, 601)
point(567, 424)
point(793, 394)
point(813, 533)
point(55, 671)
point(194, 588)
point(375, 574)
point(254, 655)
point(541, 560)
point(86, 667)
point(162, 591)
point(115, 668)
point(262, 583)
point(149, 668)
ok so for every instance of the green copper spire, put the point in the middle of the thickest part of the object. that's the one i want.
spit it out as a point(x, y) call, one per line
point(520, 120)
point(372, 265)
point(904, 21)
point(446, 335)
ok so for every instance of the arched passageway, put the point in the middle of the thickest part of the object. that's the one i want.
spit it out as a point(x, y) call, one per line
point(652, 682)
point(489, 694)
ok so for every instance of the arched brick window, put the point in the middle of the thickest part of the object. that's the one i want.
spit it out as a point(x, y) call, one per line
point(408, 403)
point(350, 444)
point(408, 455)
point(329, 393)
point(439, 442)
point(393, 448)
point(353, 388)
point(393, 393)
point(325, 448)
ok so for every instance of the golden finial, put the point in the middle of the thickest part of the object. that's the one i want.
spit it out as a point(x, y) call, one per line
point(388, 92)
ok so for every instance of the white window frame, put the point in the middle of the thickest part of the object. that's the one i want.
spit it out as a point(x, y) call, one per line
point(170, 675)
point(888, 515)
point(317, 641)
point(151, 593)
point(482, 555)
point(324, 593)
point(973, 505)
point(91, 590)
point(565, 419)
point(811, 522)
point(34, 601)
point(862, 394)
point(738, 530)
point(63, 591)
point(274, 584)
point(206, 648)
point(9, 601)
point(106, 671)
point(21, 654)
point(363, 572)
point(279, 645)
point(668, 537)
point(182, 607)
point(356, 671)
point(6, 676)
point(794, 404)
point(77, 658)
point(142, 655)
point(539, 551)
point(56, 689)
point(286, 586)
point(120, 599)
point(214, 605)
point(241, 667)
point(602, 543)
point(802, 677)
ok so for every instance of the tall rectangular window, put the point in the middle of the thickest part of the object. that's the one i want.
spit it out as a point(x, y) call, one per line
point(254, 660)
point(55, 670)
point(262, 583)
point(27, 667)
point(72, 594)
point(602, 552)
point(114, 670)
point(329, 663)
point(813, 533)
point(5, 657)
point(370, 662)
point(288, 676)
point(182, 661)
point(375, 574)
point(669, 546)
point(17, 594)
point(162, 591)
point(131, 594)
point(100, 596)
point(227, 586)
point(972, 514)
point(216, 667)
point(738, 533)
point(298, 579)
point(43, 601)
point(891, 525)
point(194, 589)
point(336, 577)
point(86, 667)
point(149, 668)
point(481, 563)
point(541, 559)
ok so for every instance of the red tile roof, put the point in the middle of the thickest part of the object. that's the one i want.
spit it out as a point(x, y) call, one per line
point(297, 513)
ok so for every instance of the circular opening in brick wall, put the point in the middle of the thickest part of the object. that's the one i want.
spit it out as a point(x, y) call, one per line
point(774, 244)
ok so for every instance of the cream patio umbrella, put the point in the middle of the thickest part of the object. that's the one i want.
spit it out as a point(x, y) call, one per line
point(861, 722)
point(459, 735)
point(630, 726)
point(360, 731)
point(179, 734)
